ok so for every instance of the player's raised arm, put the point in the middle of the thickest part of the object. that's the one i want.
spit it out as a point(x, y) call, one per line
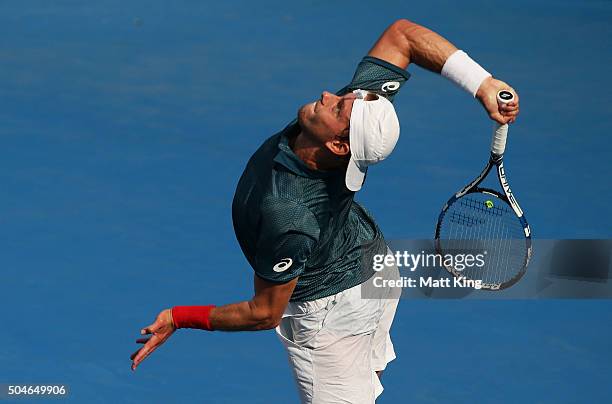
point(405, 42)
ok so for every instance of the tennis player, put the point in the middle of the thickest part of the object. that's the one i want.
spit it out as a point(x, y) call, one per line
point(306, 238)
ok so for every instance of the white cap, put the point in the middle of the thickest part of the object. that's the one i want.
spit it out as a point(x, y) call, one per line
point(373, 133)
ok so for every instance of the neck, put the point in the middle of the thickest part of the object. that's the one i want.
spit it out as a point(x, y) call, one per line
point(314, 154)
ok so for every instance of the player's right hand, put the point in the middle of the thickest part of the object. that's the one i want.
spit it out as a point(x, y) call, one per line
point(487, 95)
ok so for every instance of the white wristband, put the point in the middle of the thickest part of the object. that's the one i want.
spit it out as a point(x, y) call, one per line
point(464, 71)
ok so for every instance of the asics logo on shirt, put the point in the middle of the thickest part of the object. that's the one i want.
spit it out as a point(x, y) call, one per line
point(390, 86)
point(283, 265)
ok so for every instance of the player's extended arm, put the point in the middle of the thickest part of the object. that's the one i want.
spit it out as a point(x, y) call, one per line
point(262, 312)
point(405, 42)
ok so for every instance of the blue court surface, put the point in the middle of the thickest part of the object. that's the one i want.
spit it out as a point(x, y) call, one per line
point(126, 125)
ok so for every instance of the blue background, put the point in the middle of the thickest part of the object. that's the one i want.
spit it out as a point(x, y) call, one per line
point(124, 130)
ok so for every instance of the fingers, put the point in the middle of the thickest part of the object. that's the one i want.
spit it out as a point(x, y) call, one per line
point(509, 107)
point(140, 355)
point(507, 113)
point(132, 356)
point(499, 118)
point(148, 330)
point(159, 332)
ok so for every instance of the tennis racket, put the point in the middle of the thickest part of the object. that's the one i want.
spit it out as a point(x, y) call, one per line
point(478, 220)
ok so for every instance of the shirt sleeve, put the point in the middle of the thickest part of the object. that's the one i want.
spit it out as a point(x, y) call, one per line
point(288, 234)
point(377, 76)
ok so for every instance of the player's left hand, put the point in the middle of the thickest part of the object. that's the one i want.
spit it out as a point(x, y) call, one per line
point(487, 95)
point(160, 331)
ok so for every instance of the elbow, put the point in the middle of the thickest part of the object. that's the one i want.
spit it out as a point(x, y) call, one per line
point(403, 28)
point(402, 24)
point(401, 34)
point(264, 318)
point(272, 323)
point(268, 322)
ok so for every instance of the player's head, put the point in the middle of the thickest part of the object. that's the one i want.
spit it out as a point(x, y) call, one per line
point(361, 127)
point(328, 119)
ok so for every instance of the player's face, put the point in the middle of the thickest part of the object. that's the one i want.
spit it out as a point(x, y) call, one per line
point(327, 117)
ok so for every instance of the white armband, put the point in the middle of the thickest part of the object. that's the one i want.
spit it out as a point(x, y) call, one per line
point(464, 71)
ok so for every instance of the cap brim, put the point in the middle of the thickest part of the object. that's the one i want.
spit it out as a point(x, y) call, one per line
point(355, 176)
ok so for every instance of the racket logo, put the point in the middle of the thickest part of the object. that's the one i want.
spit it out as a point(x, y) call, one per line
point(283, 265)
point(506, 187)
point(390, 86)
point(503, 180)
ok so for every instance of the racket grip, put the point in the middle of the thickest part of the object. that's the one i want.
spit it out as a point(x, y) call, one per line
point(500, 132)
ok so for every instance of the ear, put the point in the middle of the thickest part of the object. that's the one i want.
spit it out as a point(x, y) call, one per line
point(339, 145)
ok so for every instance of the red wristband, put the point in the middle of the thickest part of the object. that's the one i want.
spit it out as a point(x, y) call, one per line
point(192, 317)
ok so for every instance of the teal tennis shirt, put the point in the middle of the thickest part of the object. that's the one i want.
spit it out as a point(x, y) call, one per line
point(292, 221)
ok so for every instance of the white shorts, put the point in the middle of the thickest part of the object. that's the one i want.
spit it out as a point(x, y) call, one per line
point(337, 343)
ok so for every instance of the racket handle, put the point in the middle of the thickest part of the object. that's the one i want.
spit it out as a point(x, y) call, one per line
point(500, 132)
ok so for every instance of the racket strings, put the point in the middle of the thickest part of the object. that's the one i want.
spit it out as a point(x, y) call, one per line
point(464, 220)
point(475, 205)
point(483, 224)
